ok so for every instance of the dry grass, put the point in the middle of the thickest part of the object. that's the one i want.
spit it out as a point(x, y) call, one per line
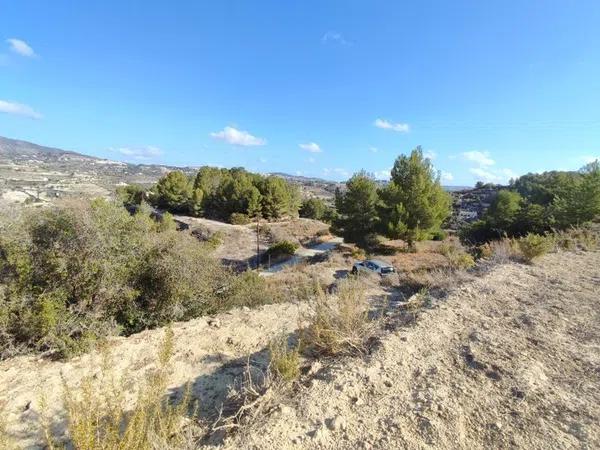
point(252, 401)
point(99, 417)
point(285, 361)
point(534, 246)
point(6, 440)
point(340, 324)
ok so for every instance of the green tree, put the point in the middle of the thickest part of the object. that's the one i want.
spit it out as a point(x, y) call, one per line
point(313, 208)
point(357, 208)
point(414, 202)
point(173, 192)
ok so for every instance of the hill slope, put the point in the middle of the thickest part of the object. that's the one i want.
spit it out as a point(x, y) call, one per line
point(511, 359)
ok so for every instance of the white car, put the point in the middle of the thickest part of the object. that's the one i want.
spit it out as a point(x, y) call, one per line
point(373, 266)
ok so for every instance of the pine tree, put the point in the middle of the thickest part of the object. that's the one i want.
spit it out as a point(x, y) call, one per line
point(415, 204)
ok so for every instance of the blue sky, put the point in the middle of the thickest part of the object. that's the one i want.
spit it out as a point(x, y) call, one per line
point(323, 88)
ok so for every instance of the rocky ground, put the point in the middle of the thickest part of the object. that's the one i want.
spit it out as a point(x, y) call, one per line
point(511, 360)
point(508, 359)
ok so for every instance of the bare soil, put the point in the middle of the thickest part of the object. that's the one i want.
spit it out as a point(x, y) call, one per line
point(508, 359)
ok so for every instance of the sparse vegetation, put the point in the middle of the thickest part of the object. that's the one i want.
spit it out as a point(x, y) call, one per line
point(100, 418)
point(339, 324)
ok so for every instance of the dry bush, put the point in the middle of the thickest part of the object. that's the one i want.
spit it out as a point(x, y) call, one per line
point(339, 324)
point(437, 281)
point(583, 238)
point(285, 361)
point(504, 250)
point(251, 401)
point(99, 417)
point(457, 257)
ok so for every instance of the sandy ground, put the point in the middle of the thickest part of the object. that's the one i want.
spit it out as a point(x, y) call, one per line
point(210, 353)
point(509, 360)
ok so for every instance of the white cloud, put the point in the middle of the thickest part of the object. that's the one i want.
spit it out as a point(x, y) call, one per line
point(140, 153)
point(19, 109)
point(481, 158)
point(589, 159)
point(384, 174)
point(373, 149)
point(311, 147)
point(387, 125)
point(334, 37)
point(311, 160)
point(485, 175)
point(447, 176)
point(337, 172)
point(238, 137)
point(430, 154)
point(20, 47)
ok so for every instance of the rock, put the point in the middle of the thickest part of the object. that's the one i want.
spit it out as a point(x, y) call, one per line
point(215, 323)
point(337, 423)
point(320, 434)
point(245, 309)
point(286, 410)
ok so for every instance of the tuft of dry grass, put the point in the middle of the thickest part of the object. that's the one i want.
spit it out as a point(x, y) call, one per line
point(285, 361)
point(6, 440)
point(339, 324)
point(457, 257)
point(99, 417)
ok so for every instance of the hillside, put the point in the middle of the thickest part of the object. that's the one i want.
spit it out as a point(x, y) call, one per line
point(510, 358)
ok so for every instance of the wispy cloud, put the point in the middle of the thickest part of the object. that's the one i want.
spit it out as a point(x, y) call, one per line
point(589, 159)
point(430, 155)
point(446, 176)
point(485, 175)
point(335, 37)
point(337, 173)
point(20, 47)
point(311, 160)
point(311, 147)
point(387, 125)
point(238, 137)
point(373, 149)
point(19, 109)
point(480, 158)
point(140, 153)
point(384, 174)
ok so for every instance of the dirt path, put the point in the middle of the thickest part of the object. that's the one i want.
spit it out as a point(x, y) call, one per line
point(511, 360)
point(303, 253)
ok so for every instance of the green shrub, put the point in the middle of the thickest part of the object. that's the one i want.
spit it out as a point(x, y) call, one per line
point(239, 219)
point(439, 235)
point(533, 246)
point(282, 248)
point(74, 273)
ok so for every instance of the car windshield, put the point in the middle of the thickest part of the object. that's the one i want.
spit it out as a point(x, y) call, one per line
point(387, 270)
